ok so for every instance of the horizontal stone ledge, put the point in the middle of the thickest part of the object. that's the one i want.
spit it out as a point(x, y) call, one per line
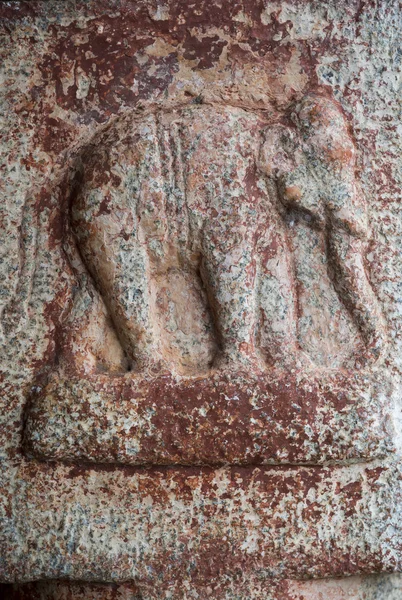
point(347, 588)
point(179, 529)
point(225, 419)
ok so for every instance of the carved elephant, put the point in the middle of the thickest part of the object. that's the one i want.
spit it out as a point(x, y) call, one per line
point(204, 188)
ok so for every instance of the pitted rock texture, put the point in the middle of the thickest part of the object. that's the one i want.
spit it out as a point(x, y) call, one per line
point(180, 532)
point(302, 100)
point(178, 227)
point(228, 419)
point(195, 194)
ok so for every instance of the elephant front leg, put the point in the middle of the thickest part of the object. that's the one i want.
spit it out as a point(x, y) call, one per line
point(229, 276)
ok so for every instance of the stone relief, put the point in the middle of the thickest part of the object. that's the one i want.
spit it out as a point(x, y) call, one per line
point(191, 208)
point(201, 301)
point(188, 231)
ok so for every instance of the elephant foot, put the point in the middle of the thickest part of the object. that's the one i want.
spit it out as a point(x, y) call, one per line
point(238, 361)
point(153, 366)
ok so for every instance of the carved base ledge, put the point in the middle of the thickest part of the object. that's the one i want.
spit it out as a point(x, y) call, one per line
point(347, 588)
point(226, 419)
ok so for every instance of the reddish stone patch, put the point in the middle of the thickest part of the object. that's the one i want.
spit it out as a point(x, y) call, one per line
point(226, 419)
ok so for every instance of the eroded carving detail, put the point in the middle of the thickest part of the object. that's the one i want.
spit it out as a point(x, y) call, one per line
point(315, 171)
point(191, 202)
point(195, 233)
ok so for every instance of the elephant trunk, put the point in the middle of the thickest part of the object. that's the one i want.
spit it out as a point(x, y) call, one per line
point(346, 256)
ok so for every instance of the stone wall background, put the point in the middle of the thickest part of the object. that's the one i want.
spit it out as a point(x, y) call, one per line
point(67, 69)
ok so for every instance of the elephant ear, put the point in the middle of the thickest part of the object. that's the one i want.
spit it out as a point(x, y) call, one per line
point(278, 152)
point(285, 158)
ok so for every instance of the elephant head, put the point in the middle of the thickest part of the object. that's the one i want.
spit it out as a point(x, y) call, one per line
point(312, 164)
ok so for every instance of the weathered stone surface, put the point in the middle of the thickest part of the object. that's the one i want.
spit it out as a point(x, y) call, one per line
point(204, 199)
point(234, 419)
point(201, 264)
point(179, 530)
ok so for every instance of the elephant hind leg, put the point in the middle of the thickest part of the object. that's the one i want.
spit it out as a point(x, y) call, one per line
point(116, 258)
